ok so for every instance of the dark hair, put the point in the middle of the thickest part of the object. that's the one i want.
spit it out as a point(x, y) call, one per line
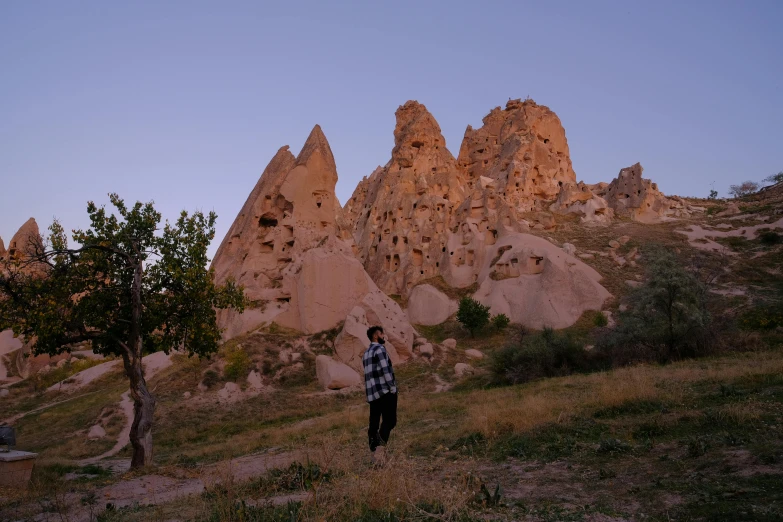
point(371, 331)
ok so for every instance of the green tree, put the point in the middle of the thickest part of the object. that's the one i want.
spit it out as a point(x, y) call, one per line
point(128, 288)
point(472, 315)
point(668, 313)
point(500, 321)
point(774, 178)
point(745, 188)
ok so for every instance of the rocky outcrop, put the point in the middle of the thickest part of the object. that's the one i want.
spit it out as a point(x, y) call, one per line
point(296, 262)
point(2, 248)
point(429, 306)
point(426, 216)
point(401, 214)
point(25, 242)
point(523, 149)
point(334, 375)
point(634, 197)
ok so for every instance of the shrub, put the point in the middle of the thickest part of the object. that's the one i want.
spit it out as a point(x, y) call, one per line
point(713, 194)
point(472, 315)
point(544, 354)
point(774, 178)
point(764, 317)
point(770, 237)
point(667, 318)
point(744, 189)
point(210, 379)
point(501, 321)
point(600, 320)
point(237, 364)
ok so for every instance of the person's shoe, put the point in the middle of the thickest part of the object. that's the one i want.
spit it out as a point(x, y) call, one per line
point(379, 456)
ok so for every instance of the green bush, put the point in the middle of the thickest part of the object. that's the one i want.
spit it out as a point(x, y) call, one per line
point(237, 364)
point(210, 379)
point(501, 321)
point(543, 354)
point(667, 318)
point(767, 317)
point(770, 237)
point(600, 320)
point(472, 315)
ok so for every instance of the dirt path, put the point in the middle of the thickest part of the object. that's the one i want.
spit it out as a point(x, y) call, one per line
point(159, 489)
point(126, 405)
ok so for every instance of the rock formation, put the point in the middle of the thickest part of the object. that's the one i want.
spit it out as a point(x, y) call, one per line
point(2, 248)
point(523, 148)
point(631, 196)
point(26, 240)
point(285, 248)
point(425, 216)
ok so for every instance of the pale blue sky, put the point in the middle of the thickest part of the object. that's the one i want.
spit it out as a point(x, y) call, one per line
point(186, 102)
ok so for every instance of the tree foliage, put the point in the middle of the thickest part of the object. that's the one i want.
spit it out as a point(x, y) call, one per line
point(472, 315)
point(668, 314)
point(743, 189)
point(500, 321)
point(774, 178)
point(127, 287)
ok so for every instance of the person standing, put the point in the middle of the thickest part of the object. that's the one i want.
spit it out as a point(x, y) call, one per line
point(381, 388)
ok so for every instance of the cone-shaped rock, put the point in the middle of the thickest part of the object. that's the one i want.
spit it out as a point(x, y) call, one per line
point(285, 248)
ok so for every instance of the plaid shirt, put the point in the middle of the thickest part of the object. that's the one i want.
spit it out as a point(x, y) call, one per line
point(378, 372)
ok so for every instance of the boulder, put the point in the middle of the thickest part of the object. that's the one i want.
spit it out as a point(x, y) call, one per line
point(96, 432)
point(426, 350)
point(352, 341)
point(614, 244)
point(569, 249)
point(463, 369)
point(429, 306)
point(449, 344)
point(334, 375)
point(255, 381)
point(474, 354)
point(231, 392)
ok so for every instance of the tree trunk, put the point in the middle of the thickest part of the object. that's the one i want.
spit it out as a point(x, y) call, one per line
point(143, 411)
point(143, 401)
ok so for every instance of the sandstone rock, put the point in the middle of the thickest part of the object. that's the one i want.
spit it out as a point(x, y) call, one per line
point(463, 369)
point(614, 244)
point(352, 341)
point(586, 256)
point(4, 392)
point(333, 375)
point(429, 306)
point(230, 393)
point(578, 198)
point(291, 250)
point(419, 341)
point(474, 354)
point(629, 195)
point(731, 209)
point(26, 241)
point(96, 432)
point(524, 149)
point(449, 344)
point(528, 272)
point(186, 395)
point(569, 249)
point(426, 350)
point(2, 249)
point(255, 381)
point(623, 239)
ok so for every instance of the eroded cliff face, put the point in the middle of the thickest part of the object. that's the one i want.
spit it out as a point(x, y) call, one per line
point(401, 215)
point(296, 262)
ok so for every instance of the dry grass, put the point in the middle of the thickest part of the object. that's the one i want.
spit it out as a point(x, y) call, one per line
point(518, 409)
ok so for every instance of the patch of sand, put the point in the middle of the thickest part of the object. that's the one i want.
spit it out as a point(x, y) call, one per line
point(703, 239)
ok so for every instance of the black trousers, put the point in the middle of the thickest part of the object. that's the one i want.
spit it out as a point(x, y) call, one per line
point(384, 408)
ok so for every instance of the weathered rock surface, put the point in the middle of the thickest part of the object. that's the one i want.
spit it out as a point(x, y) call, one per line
point(334, 375)
point(295, 260)
point(429, 306)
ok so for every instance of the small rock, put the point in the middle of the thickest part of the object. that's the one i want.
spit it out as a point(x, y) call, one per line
point(633, 284)
point(623, 307)
point(96, 432)
point(589, 347)
point(586, 256)
point(614, 244)
point(202, 387)
point(449, 344)
point(284, 356)
point(569, 249)
point(254, 380)
point(624, 239)
point(4, 392)
point(186, 395)
point(61, 363)
point(462, 369)
point(609, 319)
point(619, 261)
point(296, 356)
point(474, 354)
point(631, 255)
point(419, 341)
point(426, 350)
point(230, 390)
